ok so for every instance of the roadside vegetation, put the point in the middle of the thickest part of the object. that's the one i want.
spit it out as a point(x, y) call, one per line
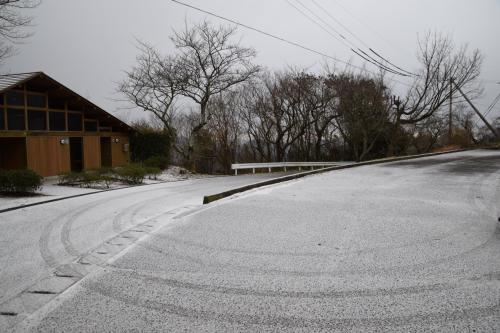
point(131, 174)
point(19, 182)
point(217, 107)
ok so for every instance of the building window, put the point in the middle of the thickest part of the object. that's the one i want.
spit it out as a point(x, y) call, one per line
point(37, 120)
point(57, 121)
point(15, 98)
point(15, 119)
point(90, 125)
point(56, 104)
point(75, 122)
point(37, 101)
point(2, 119)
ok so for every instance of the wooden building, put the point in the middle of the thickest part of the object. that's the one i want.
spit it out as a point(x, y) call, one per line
point(46, 127)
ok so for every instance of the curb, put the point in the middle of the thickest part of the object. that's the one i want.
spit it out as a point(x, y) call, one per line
point(58, 199)
point(80, 195)
point(214, 197)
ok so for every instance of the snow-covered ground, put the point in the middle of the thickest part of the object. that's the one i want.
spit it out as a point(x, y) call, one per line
point(51, 190)
point(42, 247)
point(409, 246)
point(402, 246)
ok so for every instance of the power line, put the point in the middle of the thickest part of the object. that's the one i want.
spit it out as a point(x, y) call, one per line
point(343, 39)
point(368, 27)
point(492, 105)
point(338, 22)
point(340, 40)
point(359, 39)
point(489, 81)
point(282, 39)
point(381, 57)
point(319, 25)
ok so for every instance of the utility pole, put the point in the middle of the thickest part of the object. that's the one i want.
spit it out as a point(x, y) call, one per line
point(395, 133)
point(477, 112)
point(450, 129)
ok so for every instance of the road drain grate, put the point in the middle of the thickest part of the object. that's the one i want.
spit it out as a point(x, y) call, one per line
point(43, 292)
point(7, 313)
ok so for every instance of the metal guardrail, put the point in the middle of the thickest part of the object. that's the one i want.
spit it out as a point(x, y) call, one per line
point(283, 165)
point(340, 165)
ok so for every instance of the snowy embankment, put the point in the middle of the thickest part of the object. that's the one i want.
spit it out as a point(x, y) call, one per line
point(51, 190)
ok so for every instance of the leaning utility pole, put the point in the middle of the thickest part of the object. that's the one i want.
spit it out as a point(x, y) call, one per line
point(492, 129)
point(450, 129)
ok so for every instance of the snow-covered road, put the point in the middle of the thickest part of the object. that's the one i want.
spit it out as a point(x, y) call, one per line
point(403, 246)
point(39, 245)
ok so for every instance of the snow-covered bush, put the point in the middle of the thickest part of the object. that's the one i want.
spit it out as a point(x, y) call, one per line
point(153, 172)
point(19, 181)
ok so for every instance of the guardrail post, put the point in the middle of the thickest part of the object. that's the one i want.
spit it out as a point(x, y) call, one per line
point(269, 169)
point(236, 172)
point(253, 170)
point(284, 168)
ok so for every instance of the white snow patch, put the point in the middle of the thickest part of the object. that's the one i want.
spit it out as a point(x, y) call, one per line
point(51, 190)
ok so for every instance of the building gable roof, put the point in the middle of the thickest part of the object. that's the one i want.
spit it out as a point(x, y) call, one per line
point(10, 81)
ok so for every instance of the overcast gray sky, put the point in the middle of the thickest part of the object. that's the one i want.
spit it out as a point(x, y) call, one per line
point(88, 44)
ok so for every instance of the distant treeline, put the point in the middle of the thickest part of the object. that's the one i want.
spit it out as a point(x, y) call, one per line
point(249, 114)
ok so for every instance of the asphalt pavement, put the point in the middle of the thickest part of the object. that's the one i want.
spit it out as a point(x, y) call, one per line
point(46, 249)
point(397, 247)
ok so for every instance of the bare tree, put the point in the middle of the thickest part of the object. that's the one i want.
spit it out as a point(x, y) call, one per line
point(427, 134)
point(278, 117)
point(211, 63)
point(152, 85)
point(225, 127)
point(441, 61)
point(259, 126)
point(463, 125)
point(287, 115)
point(12, 24)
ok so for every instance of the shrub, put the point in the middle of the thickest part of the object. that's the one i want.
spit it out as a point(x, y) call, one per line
point(148, 142)
point(90, 177)
point(70, 178)
point(131, 173)
point(19, 181)
point(158, 161)
point(153, 172)
point(106, 175)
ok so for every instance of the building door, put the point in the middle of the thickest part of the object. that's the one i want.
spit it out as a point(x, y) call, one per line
point(106, 152)
point(12, 153)
point(76, 154)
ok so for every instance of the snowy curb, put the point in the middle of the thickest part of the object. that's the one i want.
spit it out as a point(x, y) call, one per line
point(59, 199)
point(78, 195)
point(214, 197)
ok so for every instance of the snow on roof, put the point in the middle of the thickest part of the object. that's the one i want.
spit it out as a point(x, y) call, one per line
point(11, 80)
